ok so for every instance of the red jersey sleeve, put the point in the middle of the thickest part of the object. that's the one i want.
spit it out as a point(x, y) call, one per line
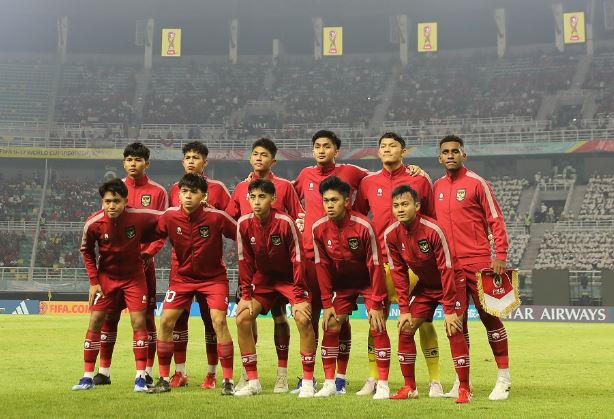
point(247, 261)
point(443, 255)
point(295, 249)
point(88, 252)
point(398, 270)
point(361, 204)
point(293, 203)
point(427, 197)
point(297, 184)
point(161, 231)
point(374, 264)
point(234, 208)
point(494, 217)
point(160, 203)
point(229, 226)
point(323, 269)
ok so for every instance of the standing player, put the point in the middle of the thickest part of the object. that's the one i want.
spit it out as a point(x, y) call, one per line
point(270, 252)
point(142, 193)
point(466, 210)
point(416, 242)
point(195, 232)
point(348, 264)
point(195, 161)
point(326, 147)
point(262, 160)
point(116, 276)
point(374, 196)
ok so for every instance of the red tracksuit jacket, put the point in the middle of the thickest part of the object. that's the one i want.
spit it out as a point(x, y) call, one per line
point(147, 194)
point(466, 209)
point(375, 194)
point(347, 256)
point(423, 247)
point(270, 251)
point(119, 243)
point(217, 194)
point(197, 241)
point(287, 200)
point(307, 186)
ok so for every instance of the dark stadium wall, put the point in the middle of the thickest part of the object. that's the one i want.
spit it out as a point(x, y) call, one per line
point(551, 287)
point(607, 287)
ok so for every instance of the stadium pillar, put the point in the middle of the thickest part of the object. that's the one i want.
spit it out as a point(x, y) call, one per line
point(589, 27)
point(149, 29)
point(607, 288)
point(403, 25)
point(233, 44)
point(501, 22)
point(559, 37)
point(318, 26)
point(62, 38)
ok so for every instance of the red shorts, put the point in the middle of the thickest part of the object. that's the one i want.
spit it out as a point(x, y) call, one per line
point(181, 294)
point(423, 304)
point(118, 294)
point(269, 294)
point(311, 278)
point(150, 280)
point(472, 282)
point(344, 300)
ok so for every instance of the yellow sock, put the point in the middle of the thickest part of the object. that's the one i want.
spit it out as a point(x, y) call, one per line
point(372, 364)
point(430, 349)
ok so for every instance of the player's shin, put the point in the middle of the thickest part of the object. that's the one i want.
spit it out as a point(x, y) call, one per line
point(430, 349)
point(460, 357)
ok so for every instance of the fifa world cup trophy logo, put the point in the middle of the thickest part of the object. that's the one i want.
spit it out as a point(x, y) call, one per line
point(573, 24)
point(427, 38)
point(332, 37)
point(171, 44)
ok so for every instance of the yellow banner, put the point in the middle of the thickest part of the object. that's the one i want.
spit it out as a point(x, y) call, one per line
point(61, 153)
point(427, 37)
point(573, 28)
point(332, 41)
point(171, 42)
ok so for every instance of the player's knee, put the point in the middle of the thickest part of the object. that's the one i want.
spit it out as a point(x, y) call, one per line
point(280, 318)
point(302, 322)
point(166, 324)
point(219, 322)
point(97, 319)
point(244, 320)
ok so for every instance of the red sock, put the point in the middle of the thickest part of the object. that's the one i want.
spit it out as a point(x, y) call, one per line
point(152, 336)
point(309, 361)
point(497, 338)
point(250, 363)
point(282, 341)
point(180, 338)
point(139, 347)
point(330, 351)
point(91, 347)
point(108, 336)
point(460, 356)
point(345, 345)
point(407, 358)
point(211, 347)
point(382, 354)
point(225, 352)
point(165, 354)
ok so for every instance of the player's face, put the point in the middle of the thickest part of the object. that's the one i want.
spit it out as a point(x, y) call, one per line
point(113, 204)
point(334, 204)
point(191, 198)
point(390, 151)
point(194, 162)
point(324, 151)
point(261, 159)
point(261, 203)
point(404, 208)
point(135, 166)
point(452, 156)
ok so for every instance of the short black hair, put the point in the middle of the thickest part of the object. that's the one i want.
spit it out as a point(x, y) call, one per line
point(137, 149)
point(115, 186)
point(267, 144)
point(324, 133)
point(194, 181)
point(335, 184)
point(452, 138)
point(264, 185)
point(394, 136)
point(403, 189)
point(196, 146)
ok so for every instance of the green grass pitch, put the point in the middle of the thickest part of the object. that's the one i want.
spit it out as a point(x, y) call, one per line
point(558, 369)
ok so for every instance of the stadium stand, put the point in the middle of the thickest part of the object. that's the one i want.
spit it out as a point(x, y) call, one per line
point(15, 249)
point(19, 199)
point(599, 198)
point(82, 194)
point(25, 87)
point(508, 190)
point(577, 250)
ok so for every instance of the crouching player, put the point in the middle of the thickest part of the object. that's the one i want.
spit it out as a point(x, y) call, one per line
point(417, 242)
point(348, 264)
point(270, 253)
point(195, 232)
point(118, 279)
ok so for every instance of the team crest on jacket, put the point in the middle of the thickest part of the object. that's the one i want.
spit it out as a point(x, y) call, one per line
point(145, 200)
point(204, 231)
point(460, 194)
point(353, 243)
point(276, 240)
point(424, 246)
point(130, 232)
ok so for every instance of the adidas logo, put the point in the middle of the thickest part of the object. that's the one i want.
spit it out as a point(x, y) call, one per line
point(21, 309)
